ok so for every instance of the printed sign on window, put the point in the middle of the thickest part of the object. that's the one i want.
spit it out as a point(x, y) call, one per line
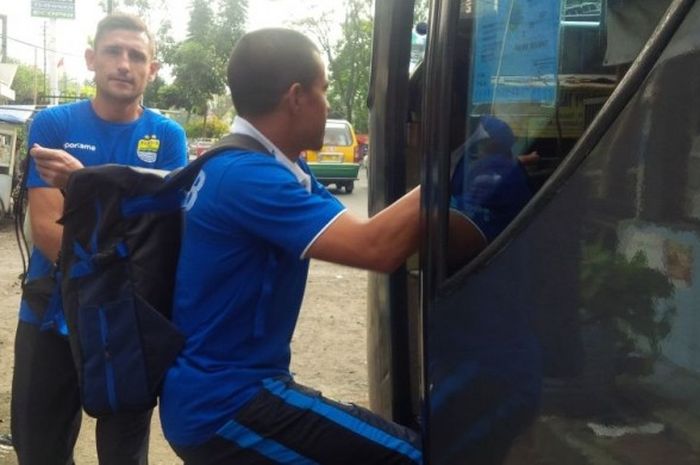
point(516, 46)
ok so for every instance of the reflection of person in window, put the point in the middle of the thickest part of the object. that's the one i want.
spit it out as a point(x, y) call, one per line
point(489, 185)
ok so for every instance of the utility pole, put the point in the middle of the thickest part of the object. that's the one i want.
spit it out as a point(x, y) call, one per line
point(3, 45)
point(36, 77)
point(109, 7)
point(45, 60)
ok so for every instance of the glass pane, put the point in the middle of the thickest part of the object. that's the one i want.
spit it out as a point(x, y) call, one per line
point(337, 135)
point(530, 77)
point(419, 32)
point(5, 149)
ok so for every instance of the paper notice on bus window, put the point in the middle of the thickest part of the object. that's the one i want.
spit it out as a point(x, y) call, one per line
point(516, 44)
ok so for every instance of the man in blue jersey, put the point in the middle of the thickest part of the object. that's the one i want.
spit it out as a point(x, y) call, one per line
point(113, 127)
point(253, 220)
point(489, 184)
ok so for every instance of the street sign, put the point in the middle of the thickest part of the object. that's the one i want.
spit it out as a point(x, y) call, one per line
point(64, 9)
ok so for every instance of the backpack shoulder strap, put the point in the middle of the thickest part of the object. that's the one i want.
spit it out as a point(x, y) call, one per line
point(233, 141)
point(184, 177)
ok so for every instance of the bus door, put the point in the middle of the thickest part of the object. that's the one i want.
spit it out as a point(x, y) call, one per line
point(557, 322)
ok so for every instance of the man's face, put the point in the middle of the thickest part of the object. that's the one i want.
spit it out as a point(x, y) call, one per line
point(123, 64)
point(315, 110)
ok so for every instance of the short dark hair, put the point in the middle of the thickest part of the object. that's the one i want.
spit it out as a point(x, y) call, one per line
point(125, 21)
point(265, 63)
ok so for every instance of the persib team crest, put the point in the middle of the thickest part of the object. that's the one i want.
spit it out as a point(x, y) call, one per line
point(147, 149)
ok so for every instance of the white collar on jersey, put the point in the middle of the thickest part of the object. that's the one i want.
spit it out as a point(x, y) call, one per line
point(242, 126)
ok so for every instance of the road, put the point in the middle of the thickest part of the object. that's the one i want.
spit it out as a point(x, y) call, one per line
point(357, 201)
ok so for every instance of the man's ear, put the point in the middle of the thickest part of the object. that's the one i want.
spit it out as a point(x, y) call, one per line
point(90, 59)
point(295, 97)
point(155, 66)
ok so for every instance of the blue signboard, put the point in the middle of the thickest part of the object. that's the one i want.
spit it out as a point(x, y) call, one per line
point(516, 46)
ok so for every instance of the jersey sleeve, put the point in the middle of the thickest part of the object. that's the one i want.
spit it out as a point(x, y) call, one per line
point(267, 201)
point(45, 131)
point(174, 150)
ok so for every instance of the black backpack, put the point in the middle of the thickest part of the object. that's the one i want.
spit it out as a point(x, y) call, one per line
point(121, 240)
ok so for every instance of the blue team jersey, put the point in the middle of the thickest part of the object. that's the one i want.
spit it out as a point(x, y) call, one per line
point(240, 283)
point(151, 141)
point(490, 190)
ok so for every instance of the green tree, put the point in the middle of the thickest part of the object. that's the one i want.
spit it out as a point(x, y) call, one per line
point(421, 10)
point(199, 27)
point(199, 62)
point(28, 83)
point(152, 96)
point(196, 76)
point(215, 128)
point(350, 69)
point(348, 58)
point(229, 27)
point(88, 89)
point(170, 96)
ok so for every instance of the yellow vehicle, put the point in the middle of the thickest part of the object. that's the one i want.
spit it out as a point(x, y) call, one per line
point(339, 160)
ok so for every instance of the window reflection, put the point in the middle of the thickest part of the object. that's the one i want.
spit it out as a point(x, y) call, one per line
point(489, 183)
point(528, 80)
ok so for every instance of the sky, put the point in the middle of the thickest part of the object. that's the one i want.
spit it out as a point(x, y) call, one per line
point(25, 32)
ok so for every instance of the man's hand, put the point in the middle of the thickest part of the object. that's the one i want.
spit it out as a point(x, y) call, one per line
point(54, 165)
point(529, 158)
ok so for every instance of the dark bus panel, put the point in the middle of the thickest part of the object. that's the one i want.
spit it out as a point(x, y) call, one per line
point(568, 133)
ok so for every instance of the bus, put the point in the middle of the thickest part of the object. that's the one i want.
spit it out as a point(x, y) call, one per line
point(573, 336)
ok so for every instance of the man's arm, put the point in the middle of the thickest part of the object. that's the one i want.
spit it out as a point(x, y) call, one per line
point(464, 241)
point(381, 243)
point(45, 209)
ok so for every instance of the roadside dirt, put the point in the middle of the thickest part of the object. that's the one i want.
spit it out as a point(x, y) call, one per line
point(329, 352)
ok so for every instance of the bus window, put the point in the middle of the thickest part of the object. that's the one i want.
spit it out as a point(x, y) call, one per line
point(528, 79)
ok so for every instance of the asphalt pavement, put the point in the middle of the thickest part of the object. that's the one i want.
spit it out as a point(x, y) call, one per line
point(356, 202)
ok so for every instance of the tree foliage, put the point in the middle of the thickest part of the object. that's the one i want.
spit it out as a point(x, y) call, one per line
point(199, 62)
point(348, 56)
point(27, 81)
point(627, 296)
point(215, 128)
point(196, 76)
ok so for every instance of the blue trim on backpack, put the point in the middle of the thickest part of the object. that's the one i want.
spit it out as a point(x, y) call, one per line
point(98, 217)
point(27, 315)
point(249, 439)
point(109, 369)
point(83, 266)
point(54, 318)
point(344, 419)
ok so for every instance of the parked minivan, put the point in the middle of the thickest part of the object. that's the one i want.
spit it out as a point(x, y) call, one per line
point(339, 160)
